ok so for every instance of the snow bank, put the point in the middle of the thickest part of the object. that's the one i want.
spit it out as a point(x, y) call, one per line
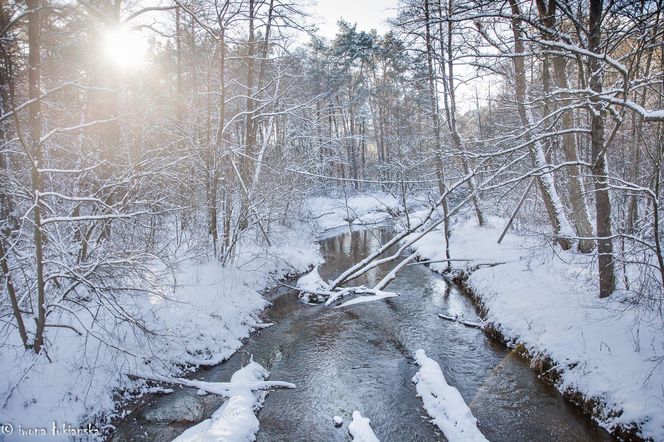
point(357, 209)
point(235, 420)
point(360, 429)
point(199, 313)
point(546, 299)
point(312, 282)
point(444, 403)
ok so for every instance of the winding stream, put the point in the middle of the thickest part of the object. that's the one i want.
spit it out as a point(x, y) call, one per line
point(360, 358)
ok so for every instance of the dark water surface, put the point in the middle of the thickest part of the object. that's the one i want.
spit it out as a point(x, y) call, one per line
point(360, 358)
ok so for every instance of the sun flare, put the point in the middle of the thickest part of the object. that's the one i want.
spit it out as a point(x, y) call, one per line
point(125, 48)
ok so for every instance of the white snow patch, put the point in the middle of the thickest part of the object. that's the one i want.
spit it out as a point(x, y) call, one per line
point(359, 209)
point(312, 282)
point(360, 429)
point(444, 403)
point(235, 420)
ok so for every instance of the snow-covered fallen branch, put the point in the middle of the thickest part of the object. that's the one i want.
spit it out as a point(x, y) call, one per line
point(235, 420)
point(473, 267)
point(461, 320)
point(374, 294)
point(314, 289)
point(360, 429)
point(370, 298)
point(221, 388)
point(444, 403)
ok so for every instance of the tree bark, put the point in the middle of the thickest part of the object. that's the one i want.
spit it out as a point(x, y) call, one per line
point(34, 123)
point(249, 130)
point(448, 80)
point(580, 215)
point(546, 183)
point(435, 118)
point(607, 279)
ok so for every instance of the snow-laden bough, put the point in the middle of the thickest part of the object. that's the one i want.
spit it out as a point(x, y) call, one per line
point(444, 403)
point(235, 420)
point(314, 290)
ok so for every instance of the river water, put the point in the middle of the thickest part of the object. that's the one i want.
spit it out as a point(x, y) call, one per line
point(361, 358)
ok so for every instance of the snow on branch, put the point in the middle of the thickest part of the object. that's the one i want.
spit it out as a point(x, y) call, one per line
point(649, 116)
point(444, 403)
point(585, 52)
point(235, 420)
point(220, 388)
point(462, 320)
point(314, 289)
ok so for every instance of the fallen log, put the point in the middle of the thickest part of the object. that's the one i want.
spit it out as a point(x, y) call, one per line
point(331, 296)
point(463, 321)
point(220, 388)
point(472, 268)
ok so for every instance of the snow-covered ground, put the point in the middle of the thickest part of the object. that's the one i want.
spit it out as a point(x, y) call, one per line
point(444, 403)
point(201, 317)
point(358, 209)
point(547, 300)
point(537, 296)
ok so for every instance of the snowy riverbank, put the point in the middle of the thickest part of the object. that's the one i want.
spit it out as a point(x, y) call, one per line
point(330, 213)
point(545, 301)
point(201, 317)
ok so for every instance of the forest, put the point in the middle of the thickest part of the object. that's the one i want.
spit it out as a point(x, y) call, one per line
point(166, 163)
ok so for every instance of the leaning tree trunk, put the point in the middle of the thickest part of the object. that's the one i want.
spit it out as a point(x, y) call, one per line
point(546, 183)
point(580, 215)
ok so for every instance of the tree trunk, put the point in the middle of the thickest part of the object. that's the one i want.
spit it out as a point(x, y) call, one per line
point(34, 123)
point(576, 192)
point(546, 183)
point(458, 144)
point(435, 118)
point(607, 278)
point(249, 131)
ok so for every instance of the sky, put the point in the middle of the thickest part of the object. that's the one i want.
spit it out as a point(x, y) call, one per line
point(368, 14)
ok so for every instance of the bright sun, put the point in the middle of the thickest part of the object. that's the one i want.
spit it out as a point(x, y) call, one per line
point(125, 48)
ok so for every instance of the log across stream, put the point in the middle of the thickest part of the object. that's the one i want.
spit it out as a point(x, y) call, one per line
point(361, 358)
